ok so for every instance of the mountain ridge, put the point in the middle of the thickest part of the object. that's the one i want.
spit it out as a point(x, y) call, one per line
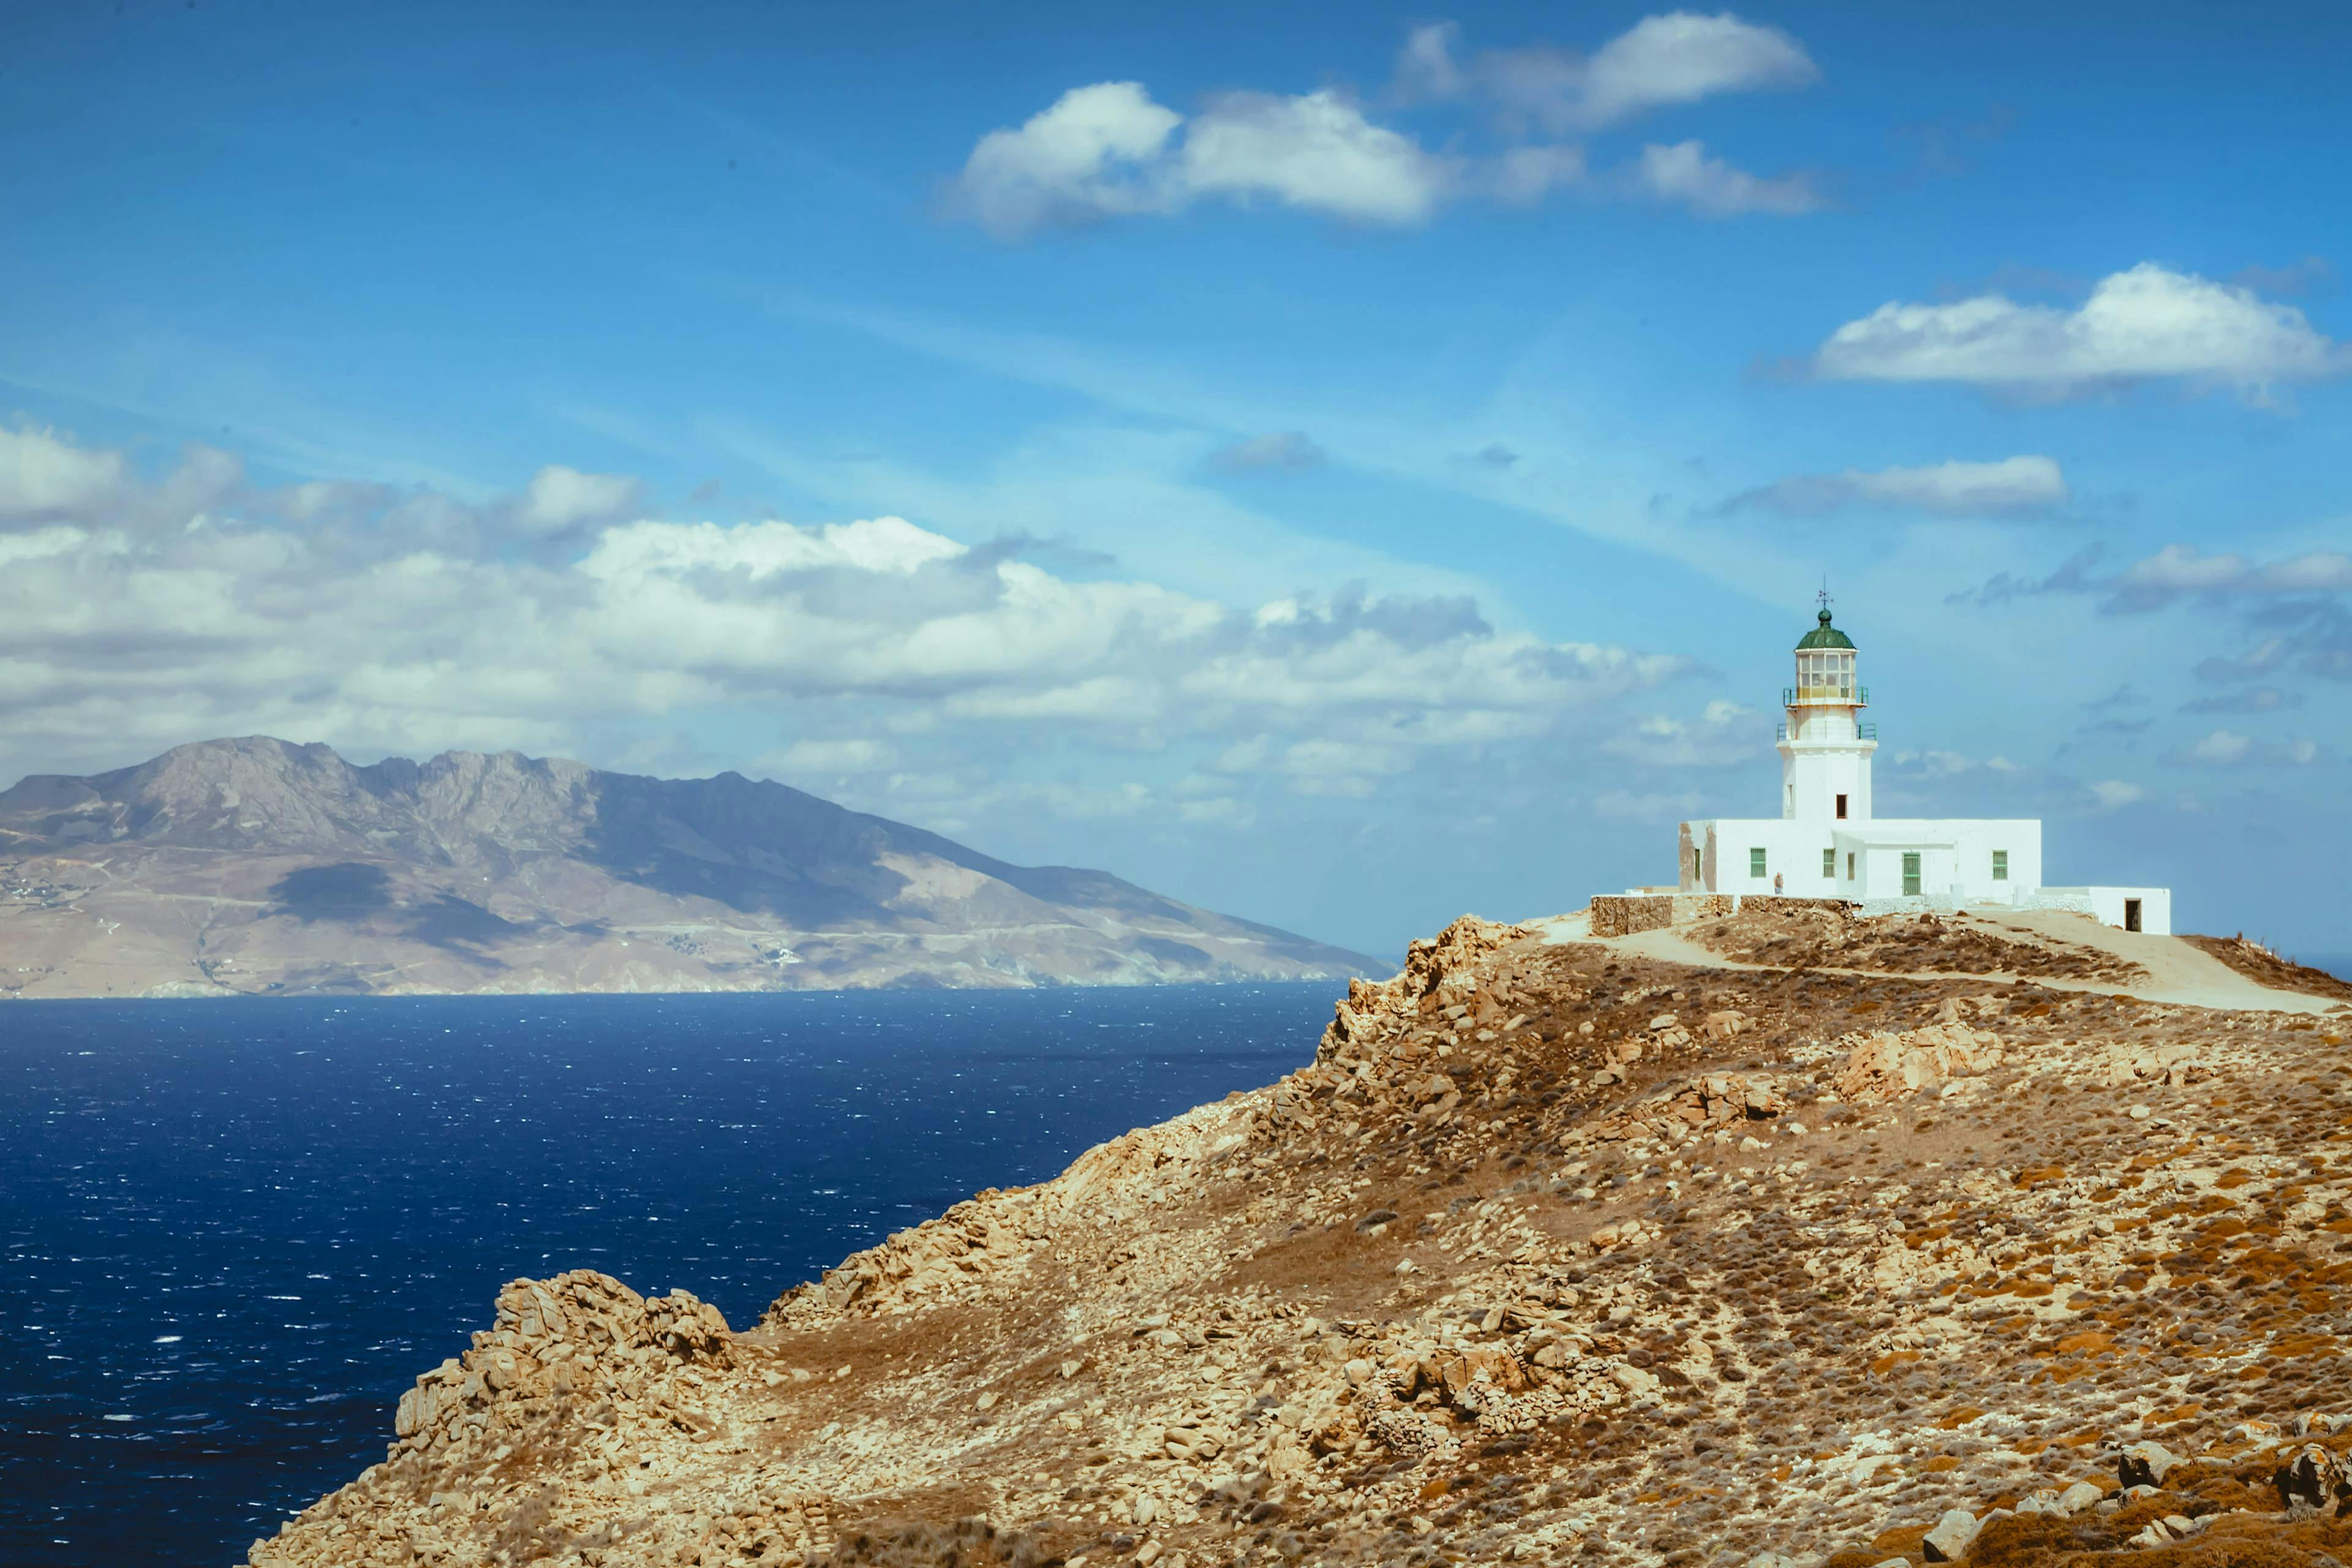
point(255, 864)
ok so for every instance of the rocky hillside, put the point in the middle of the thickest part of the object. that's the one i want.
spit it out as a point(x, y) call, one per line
point(257, 867)
point(1557, 1252)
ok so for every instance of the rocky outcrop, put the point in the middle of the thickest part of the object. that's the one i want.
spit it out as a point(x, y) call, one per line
point(557, 1338)
point(1887, 1065)
point(1549, 1254)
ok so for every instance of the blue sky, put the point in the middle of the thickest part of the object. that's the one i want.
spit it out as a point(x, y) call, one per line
point(1354, 464)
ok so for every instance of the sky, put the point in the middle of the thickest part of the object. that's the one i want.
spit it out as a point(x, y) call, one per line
point(1343, 465)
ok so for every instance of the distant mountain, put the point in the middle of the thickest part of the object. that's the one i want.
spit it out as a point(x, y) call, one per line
point(256, 866)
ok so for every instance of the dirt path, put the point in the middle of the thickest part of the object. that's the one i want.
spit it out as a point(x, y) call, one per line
point(2177, 972)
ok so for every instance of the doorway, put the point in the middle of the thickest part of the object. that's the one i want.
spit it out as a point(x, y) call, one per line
point(1910, 873)
point(2131, 914)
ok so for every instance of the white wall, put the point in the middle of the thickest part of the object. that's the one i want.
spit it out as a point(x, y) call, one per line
point(1956, 856)
point(1791, 849)
point(1822, 759)
point(2106, 905)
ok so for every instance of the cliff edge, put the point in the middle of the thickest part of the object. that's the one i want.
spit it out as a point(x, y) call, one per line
point(1559, 1251)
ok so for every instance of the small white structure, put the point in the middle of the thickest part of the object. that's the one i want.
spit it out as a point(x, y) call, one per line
point(1828, 844)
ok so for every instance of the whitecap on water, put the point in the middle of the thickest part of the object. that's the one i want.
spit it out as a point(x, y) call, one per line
point(167, 1338)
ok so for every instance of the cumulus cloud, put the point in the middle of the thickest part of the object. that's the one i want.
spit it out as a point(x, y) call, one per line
point(45, 477)
point(2113, 794)
point(853, 754)
point(2220, 746)
point(2178, 572)
point(1274, 450)
point(2011, 484)
point(2146, 323)
point(1684, 174)
point(48, 479)
point(114, 645)
point(1109, 150)
point(1525, 175)
point(1678, 57)
point(1094, 152)
point(2232, 749)
point(1724, 735)
point(1316, 152)
point(1937, 764)
point(560, 500)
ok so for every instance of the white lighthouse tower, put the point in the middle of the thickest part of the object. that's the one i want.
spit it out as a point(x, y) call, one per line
point(1825, 746)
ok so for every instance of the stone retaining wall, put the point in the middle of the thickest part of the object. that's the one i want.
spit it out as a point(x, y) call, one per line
point(1622, 914)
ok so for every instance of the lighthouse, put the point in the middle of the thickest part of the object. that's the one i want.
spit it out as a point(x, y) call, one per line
point(1826, 744)
point(1828, 841)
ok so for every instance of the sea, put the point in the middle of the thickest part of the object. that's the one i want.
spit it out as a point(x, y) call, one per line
point(233, 1232)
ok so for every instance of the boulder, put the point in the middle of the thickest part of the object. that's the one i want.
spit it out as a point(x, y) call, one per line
point(1888, 1066)
point(1950, 1540)
point(2144, 1465)
point(2081, 1495)
point(2311, 1477)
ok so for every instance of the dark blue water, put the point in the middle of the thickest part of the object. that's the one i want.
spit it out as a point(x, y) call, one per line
point(234, 1232)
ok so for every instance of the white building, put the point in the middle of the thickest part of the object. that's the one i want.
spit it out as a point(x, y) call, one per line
point(1827, 843)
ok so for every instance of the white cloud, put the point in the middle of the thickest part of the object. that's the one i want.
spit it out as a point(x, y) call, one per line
point(1109, 150)
point(377, 638)
point(1681, 58)
point(2221, 746)
point(2180, 569)
point(1316, 152)
point(2314, 571)
point(1684, 174)
point(1276, 449)
point(1525, 175)
point(2113, 794)
point(1674, 58)
point(45, 477)
point(2142, 324)
point(1936, 764)
point(1095, 151)
point(2023, 484)
point(851, 755)
point(559, 499)
point(2229, 749)
point(1724, 735)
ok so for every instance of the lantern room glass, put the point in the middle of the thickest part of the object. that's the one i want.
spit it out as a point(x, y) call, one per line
point(1826, 674)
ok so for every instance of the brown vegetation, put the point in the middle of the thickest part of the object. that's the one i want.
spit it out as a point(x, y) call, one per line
point(1553, 1254)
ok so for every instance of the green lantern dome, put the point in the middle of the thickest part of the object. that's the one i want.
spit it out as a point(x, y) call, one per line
point(1824, 636)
